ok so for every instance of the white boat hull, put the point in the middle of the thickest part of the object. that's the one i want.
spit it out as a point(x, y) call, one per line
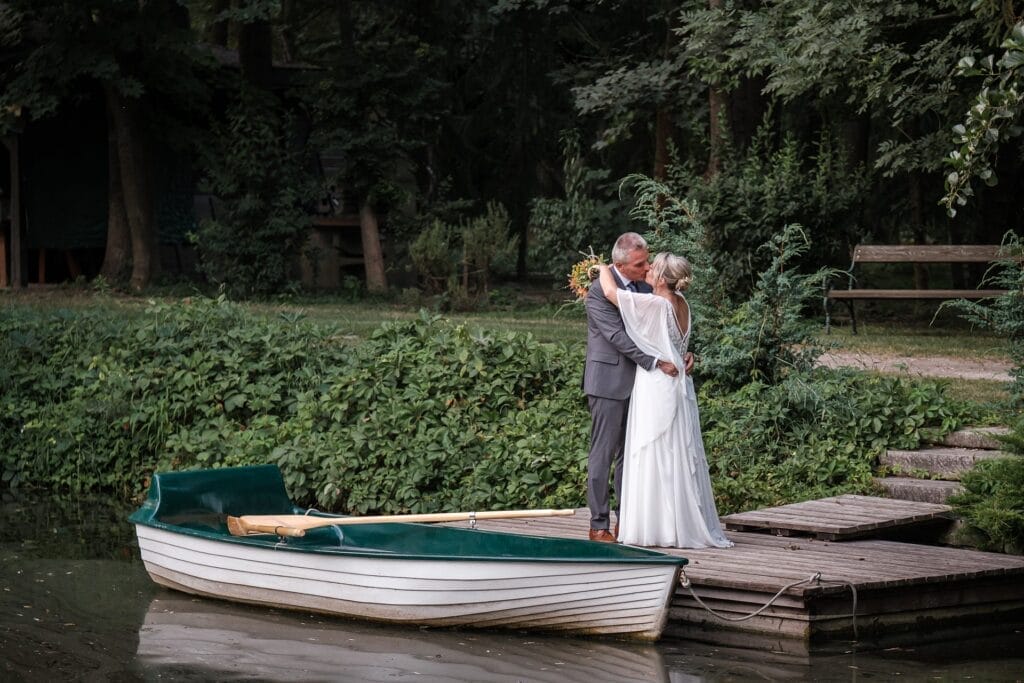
point(583, 597)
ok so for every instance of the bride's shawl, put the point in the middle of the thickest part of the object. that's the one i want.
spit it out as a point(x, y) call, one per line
point(646, 318)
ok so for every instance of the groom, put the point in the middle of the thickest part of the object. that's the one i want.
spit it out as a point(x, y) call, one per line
point(612, 358)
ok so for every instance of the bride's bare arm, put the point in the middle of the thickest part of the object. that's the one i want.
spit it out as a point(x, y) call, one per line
point(611, 292)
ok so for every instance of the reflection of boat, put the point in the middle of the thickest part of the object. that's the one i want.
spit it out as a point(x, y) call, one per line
point(399, 572)
point(216, 641)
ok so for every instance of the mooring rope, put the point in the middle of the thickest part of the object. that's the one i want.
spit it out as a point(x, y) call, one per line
point(813, 578)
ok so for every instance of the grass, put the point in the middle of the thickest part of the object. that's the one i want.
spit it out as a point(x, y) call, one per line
point(918, 339)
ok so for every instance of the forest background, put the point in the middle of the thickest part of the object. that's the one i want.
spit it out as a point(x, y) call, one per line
point(500, 140)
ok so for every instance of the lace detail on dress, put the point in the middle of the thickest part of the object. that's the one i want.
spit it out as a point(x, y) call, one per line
point(679, 340)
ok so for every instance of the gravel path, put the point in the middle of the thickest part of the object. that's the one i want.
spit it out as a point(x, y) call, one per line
point(923, 366)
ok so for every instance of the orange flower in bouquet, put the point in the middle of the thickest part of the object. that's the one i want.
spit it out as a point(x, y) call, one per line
point(583, 274)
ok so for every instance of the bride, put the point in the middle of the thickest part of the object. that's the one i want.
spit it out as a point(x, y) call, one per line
point(667, 499)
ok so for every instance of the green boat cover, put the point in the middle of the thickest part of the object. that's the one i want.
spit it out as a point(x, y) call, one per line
point(198, 502)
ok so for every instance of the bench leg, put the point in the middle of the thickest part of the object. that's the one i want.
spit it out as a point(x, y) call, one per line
point(828, 312)
point(853, 316)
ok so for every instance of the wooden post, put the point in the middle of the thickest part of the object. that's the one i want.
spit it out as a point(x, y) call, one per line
point(373, 256)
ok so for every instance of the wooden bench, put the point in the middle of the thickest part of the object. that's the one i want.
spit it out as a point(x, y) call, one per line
point(912, 253)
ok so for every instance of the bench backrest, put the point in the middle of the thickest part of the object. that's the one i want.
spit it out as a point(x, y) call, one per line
point(928, 253)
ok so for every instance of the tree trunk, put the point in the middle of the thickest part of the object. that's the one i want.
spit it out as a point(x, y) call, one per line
point(255, 52)
point(136, 187)
point(19, 276)
point(117, 256)
point(662, 135)
point(218, 31)
point(373, 256)
point(716, 108)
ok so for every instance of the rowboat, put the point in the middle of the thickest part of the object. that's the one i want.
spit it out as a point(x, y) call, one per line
point(398, 572)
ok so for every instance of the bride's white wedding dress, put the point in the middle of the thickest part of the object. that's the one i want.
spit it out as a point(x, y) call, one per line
point(667, 498)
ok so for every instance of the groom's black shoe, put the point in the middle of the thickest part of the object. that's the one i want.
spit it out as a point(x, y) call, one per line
point(601, 535)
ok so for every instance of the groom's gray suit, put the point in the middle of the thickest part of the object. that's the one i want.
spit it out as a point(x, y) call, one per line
point(612, 358)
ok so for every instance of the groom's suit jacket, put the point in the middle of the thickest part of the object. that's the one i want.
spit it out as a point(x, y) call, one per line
point(612, 356)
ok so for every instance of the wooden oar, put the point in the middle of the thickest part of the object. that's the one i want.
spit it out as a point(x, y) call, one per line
point(296, 525)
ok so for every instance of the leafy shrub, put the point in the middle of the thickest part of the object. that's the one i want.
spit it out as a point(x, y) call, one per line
point(432, 258)
point(762, 339)
point(429, 416)
point(814, 434)
point(1004, 315)
point(461, 259)
point(561, 228)
point(257, 173)
point(992, 502)
point(771, 184)
point(95, 401)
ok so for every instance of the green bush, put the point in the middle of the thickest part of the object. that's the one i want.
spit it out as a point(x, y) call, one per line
point(814, 434)
point(1004, 315)
point(428, 416)
point(95, 401)
point(461, 260)
point(423, 416)
point(992, 502)
point(257, 173)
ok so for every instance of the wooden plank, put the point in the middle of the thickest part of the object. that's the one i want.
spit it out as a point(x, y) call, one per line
point(336, 221)
point(915, 293)
point(926, 253)
point(837, 517)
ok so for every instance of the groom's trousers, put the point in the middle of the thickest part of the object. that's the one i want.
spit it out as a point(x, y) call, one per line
point(607, 440)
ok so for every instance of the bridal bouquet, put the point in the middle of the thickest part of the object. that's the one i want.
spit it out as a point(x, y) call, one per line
point(583, 274)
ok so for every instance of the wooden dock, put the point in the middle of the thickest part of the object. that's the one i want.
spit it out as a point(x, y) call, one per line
point(905, 593)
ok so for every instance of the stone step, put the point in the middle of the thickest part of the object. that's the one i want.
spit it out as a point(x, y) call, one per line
point(975, 437)
point(945, 463)
point(920, 490)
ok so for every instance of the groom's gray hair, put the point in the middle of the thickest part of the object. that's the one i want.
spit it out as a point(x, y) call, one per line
point(627, 243)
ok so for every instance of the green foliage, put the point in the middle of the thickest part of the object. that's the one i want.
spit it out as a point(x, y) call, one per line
point(432, 257)
point(761, 340)
point(769, 185)
point(1004, 315)
point(560, 229)
point(423, 416)
point(814, 434)
point(430, 417)
point(462, 259)
point(991, 120)
point(94, 401)
point(488, 246)
point(257, 173)
point(992, 504)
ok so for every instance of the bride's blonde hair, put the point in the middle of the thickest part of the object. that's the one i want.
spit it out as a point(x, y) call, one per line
point(674, 270)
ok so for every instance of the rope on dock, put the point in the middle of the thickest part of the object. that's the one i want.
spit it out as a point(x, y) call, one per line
point(813, 578)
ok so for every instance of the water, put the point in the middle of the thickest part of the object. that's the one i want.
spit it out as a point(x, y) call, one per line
point(76, 604)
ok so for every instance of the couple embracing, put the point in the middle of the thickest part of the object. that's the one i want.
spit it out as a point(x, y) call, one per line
point(645, 425)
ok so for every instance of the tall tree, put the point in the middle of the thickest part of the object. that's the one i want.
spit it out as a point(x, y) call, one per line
point(143, 59)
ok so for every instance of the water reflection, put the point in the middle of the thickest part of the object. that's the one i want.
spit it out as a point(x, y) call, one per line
point(207, 638)
point(76, 604)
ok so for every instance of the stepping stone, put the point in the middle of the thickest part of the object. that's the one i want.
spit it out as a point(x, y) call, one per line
point(975, 437)
point(945, 463)
point(921, 490)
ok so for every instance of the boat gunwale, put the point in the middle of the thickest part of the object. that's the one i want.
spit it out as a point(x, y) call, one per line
point(622, 554)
